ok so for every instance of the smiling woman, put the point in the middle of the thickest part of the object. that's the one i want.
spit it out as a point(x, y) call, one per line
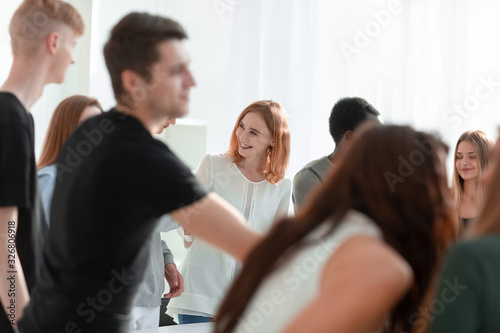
point(260, 143)
point(251, 178)
point(472, 155)
point(253, 136)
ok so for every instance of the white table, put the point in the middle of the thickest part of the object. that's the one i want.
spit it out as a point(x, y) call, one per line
point(189, 328)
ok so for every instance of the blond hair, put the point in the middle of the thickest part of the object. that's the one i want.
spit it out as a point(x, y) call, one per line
point(483, 145)
point(274, 116)
point(34, 20)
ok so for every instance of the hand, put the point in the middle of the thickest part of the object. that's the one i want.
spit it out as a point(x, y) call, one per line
point(175, 281)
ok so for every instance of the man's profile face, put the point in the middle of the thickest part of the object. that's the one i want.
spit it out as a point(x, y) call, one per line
point(64, 54)
point(167, 92)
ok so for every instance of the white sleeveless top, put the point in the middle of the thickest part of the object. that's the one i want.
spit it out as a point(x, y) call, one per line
point(284, 294)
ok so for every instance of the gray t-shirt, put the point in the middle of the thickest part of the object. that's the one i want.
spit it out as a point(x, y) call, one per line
point(308, 178)
point(153, 285)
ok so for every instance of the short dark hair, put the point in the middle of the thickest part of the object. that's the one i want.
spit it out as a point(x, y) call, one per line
point(347, 114)
point(133, 45)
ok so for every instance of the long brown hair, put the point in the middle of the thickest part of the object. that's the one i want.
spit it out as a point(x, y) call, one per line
point(482, 144)
point(409, 204)
point(63, 122)
point(274, 116)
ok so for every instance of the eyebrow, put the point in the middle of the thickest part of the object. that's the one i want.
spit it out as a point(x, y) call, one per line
point(182, 62)
point(471, 152)
point(253, 129)
point(175, 66)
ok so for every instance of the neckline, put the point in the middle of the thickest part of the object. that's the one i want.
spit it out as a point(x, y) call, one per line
point(330, 163)
point(122, 116)
point(15, 98)
point(248, 180)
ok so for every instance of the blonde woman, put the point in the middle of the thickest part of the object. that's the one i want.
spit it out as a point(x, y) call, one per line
point(468, 295)
point(70, 113)
point(250, 176)
point(472, 154)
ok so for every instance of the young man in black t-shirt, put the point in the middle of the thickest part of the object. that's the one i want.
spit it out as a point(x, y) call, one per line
point(114, 182)
point(43, 35)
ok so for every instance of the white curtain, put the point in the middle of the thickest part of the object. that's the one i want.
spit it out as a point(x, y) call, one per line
point(433, 64)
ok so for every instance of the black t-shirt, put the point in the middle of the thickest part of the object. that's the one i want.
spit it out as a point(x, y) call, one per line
point(18, 182)
point(114, 180)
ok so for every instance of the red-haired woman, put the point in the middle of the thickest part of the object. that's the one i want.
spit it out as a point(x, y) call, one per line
point(70, 113)
point(250, 176)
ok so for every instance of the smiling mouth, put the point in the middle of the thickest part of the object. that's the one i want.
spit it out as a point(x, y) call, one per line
point(245, 147)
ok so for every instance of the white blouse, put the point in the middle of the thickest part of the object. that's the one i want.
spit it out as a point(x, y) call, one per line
point(208, 272)
point(288, 290)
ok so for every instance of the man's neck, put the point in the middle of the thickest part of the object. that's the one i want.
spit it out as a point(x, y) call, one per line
point(141, 114)
point(333, 157)
point(26, 81)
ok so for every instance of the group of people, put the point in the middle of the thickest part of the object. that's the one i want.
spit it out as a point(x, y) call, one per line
point(371, 247)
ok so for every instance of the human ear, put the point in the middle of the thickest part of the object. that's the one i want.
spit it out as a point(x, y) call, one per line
point(349, 135)
point(53, 41)
point(131, 82)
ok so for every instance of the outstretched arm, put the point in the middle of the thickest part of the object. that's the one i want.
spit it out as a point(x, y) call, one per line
point(361, 283)
point(13, 290)
point(218, 223)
